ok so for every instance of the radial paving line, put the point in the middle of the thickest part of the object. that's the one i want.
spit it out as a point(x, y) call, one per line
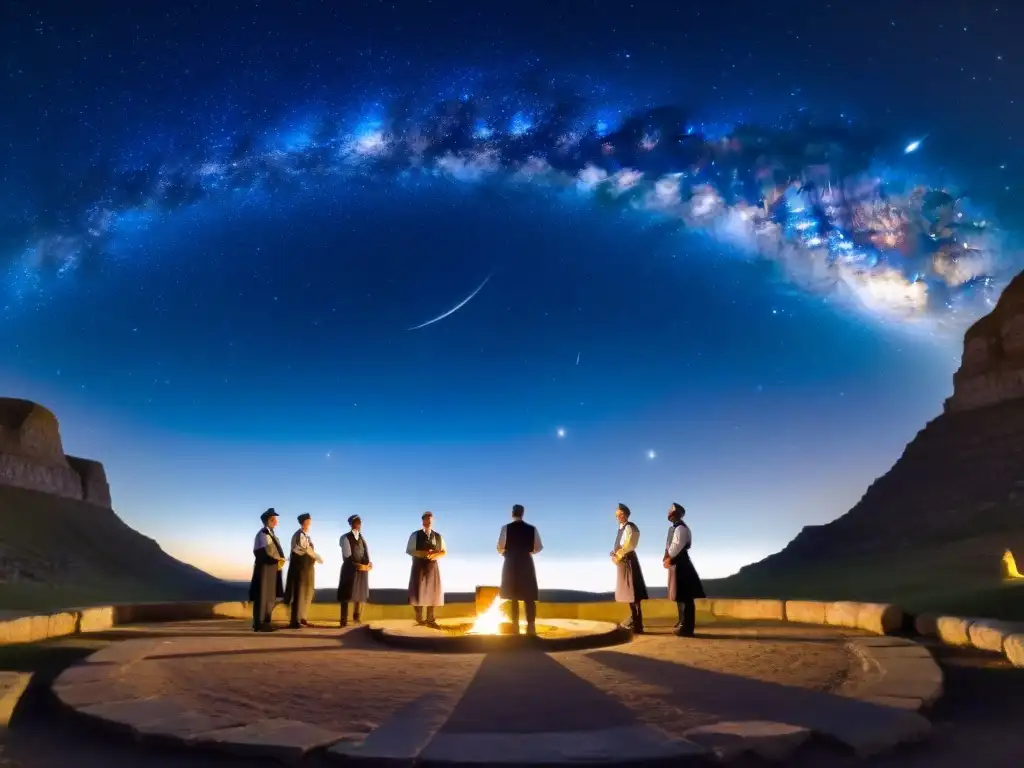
point(460, 726)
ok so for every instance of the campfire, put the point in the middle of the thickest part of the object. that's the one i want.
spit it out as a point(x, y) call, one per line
point(494, 621)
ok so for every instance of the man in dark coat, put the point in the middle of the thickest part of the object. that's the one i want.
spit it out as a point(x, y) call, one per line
point(518, 542)
point(630, 586)
point(684, 585)
point(354, 581)
point(300, 586)
point(425, 547)
point(266, 587)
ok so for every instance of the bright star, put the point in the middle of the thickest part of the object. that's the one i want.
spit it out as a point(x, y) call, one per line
point(560, 432)
point(651, 455)
point(913, 146)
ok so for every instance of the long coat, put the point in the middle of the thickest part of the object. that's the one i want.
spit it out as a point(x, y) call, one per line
point(266, 576)
point(683, 582)
point(518, 573)
point(353, 583)
point(630, 586)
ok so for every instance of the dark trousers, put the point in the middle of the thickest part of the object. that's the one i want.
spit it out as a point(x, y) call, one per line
point(531, 613)
point(687, 616)
point(636, 615)
point(418, 610)
point(355, 612)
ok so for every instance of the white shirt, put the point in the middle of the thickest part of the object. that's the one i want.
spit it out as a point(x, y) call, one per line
point(630, 539)
point(410, 548)
point(303, 545)
point(537, 545)
point(346, 547)
point(681, 536)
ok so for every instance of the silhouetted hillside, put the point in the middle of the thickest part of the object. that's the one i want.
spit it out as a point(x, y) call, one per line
point(59, 552)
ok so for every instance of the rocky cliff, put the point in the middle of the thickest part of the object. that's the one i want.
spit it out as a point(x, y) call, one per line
point(60, 541)
point(957, 492)
point(32, 456)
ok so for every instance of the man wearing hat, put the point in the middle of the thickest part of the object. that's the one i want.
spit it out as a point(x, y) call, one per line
point(630, 586)
point(518, 542)
point(300, 587)
point(266, 587)
point(684, 585)
point(354, 581)
point(425, 547)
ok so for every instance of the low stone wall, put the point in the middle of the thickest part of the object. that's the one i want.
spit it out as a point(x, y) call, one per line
point(1005, 637)
point(876, 618)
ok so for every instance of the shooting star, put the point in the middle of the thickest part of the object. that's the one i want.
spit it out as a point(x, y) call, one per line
point(454, 309)
point(577, 358)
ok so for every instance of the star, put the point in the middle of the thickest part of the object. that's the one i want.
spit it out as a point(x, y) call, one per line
point(651, 455)
point(560, 431)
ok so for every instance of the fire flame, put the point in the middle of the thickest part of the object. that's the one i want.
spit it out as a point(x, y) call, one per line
point(1010, 566)
point(489, 622)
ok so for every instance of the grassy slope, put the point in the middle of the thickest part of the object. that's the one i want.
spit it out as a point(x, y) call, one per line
point(83, 554)
point(937, 579)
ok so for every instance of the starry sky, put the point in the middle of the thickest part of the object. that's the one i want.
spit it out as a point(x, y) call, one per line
point(220, 223)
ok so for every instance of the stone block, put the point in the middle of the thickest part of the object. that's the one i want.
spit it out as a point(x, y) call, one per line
point(237, 610)
point(602, 611)
point(12, 686)
point(96, 619)
point(162, 718)
point(485, 596)
point(805, 611)
point(926, 625)
point(880, 618)
point(774, 742)
point(61, 624)
point(288, 741)
point(764, 610)
point(990, 634)
point(1013, 647)
point(842, 614)
point(404, 735)
point(76, 695)
point(125, 653)
point(953, 630)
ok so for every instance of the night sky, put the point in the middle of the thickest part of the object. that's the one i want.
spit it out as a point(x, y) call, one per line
point(219, 222)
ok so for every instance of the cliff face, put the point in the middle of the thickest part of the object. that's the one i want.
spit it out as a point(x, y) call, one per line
point(959, 485)
point(32, 456)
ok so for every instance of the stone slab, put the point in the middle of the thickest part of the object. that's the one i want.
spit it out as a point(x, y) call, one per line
point(775, 742)
point(403, 736)
point(628, 744)
point(159, 718)
point(764, 610)
point(1013, 647)
point(805, 611)
point(125, 652)
point(12, 687)
point(897, 651)
point(873, 730)
point(896, 702)
point(990, 634)
point(288, 741)
point(84, 694)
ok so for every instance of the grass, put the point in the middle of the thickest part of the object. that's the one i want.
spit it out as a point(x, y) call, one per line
point(937, 580)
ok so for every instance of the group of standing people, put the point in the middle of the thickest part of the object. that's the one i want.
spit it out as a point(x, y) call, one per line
point(518, 542)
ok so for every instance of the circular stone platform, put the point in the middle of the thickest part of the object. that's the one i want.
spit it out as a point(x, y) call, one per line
point(342, 694)
point(552, 635)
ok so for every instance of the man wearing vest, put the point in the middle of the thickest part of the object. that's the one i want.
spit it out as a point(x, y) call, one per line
point(266, 585)
point(630, 586)
point(518, 542)
point(684, 585)
point(425, 547)
point(354, 581)
point(299, 588)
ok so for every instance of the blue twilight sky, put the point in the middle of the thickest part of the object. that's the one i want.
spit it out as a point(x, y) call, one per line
point(213, 258)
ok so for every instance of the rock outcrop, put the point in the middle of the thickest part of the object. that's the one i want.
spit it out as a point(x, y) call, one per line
point(958, 488)
point(32, 456)
point(992, 367)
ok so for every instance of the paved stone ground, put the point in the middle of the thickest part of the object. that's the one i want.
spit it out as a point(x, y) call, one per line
point(731, 673)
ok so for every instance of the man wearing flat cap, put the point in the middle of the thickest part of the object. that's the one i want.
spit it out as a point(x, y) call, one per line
point(354, 581)
point(425, 547)
point(684, 585)
point(268, 560)
point(518, 542)
point(300, 587)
